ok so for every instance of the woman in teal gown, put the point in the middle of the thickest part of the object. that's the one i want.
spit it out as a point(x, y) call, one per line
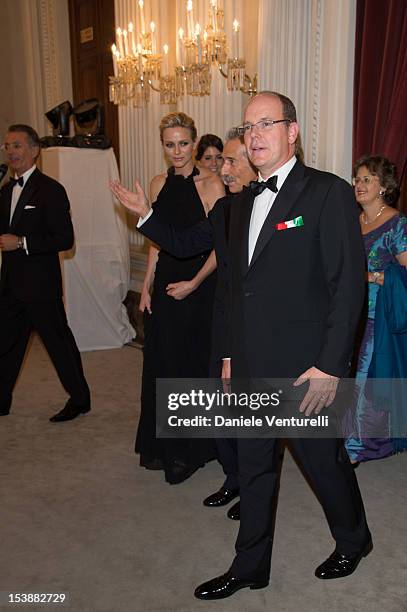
point(384, 233)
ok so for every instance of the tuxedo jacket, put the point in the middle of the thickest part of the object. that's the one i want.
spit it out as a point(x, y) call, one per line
point(297, 303)
point(42, 215)
point(219, 218)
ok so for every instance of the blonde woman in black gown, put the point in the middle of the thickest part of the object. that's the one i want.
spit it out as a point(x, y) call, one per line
point(178, 313)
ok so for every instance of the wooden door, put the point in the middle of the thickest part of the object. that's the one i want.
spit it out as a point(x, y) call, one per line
point(92, 32)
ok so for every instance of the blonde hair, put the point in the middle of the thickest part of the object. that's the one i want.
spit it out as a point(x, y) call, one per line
point(173, 120)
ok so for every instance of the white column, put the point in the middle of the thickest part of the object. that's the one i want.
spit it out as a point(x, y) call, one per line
point(55, 52)
point(328, 136)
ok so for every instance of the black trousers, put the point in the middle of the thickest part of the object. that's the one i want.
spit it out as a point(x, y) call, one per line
point(226, 448)
point(227, 456)
point(327, 468)
point(17, 320)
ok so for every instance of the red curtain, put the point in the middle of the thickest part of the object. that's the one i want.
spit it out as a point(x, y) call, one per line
point(380, 87)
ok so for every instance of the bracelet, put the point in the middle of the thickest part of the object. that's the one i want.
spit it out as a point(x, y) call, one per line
point(376, 276)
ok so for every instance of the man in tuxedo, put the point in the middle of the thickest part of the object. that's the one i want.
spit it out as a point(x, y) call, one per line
point(236, 172)
point(296, 290)
point(35, 224)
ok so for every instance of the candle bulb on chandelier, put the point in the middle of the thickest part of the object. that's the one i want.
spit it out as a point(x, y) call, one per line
point(190, 19)
point(125, 43)
point(214, 5)
point(132, 42)
point(236, 28)
point(198, 42)
point(140, 58)
point(165, 63)
point(181, 46)
point(153, 41)
point(142, 23)
point(119, 41)
point(205, 37)
point(114, 57)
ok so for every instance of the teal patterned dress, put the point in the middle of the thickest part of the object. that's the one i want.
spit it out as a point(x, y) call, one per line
point(381, 245)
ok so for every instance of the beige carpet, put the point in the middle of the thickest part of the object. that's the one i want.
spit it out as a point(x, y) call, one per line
point(78, 514)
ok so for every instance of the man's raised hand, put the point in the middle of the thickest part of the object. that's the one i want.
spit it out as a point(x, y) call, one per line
point(135, 201)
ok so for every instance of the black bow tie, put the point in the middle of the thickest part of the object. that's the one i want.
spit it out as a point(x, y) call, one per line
point(19, 181)
point(258, 187)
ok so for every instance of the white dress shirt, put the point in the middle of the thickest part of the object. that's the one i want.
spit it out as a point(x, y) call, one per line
point(17, 189)
point(143, 219)
point(263, 203)
point(15, 196)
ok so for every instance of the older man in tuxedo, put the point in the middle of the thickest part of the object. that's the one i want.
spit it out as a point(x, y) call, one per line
point(35, 224)
point(236, 173)
point(296, 290)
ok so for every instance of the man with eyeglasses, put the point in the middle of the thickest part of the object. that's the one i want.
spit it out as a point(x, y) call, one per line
point(296, 290)
point(35, 225)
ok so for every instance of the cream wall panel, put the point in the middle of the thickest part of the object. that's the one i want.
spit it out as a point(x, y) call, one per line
point(284, 34)
point(306, 50)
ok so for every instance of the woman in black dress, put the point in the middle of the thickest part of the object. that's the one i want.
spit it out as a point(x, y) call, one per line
point(178, 313)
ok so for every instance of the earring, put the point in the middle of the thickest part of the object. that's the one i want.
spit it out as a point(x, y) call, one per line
point(382, 192)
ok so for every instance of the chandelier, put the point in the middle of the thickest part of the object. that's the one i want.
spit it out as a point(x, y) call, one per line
point(139, 67)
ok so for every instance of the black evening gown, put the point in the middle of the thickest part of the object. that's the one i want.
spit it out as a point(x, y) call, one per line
point(177, 336)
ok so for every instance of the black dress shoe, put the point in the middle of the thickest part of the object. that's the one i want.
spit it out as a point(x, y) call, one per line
point(69, 412)
point(4, 411)
point(220, 498)
point(339, 565)
point(225, 585)
point(234, 512)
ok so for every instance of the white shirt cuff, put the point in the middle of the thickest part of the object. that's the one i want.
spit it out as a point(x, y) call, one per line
point(25, 245)
point(143, 219)
point(226, 358)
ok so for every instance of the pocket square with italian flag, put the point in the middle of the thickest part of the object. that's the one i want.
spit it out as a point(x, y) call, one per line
point(297, 222)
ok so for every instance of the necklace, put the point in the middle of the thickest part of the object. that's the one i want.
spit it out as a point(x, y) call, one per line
point(364, 218)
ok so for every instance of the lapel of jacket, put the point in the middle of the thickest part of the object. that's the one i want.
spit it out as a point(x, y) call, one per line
point(26, 194)
point(285, 200)
point(242, 230)
point(6, 193)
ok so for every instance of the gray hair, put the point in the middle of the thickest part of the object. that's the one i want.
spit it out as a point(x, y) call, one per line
point(233, 133)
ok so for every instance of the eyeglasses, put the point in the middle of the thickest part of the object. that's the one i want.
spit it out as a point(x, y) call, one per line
point(265, 125)
point(365, 180)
